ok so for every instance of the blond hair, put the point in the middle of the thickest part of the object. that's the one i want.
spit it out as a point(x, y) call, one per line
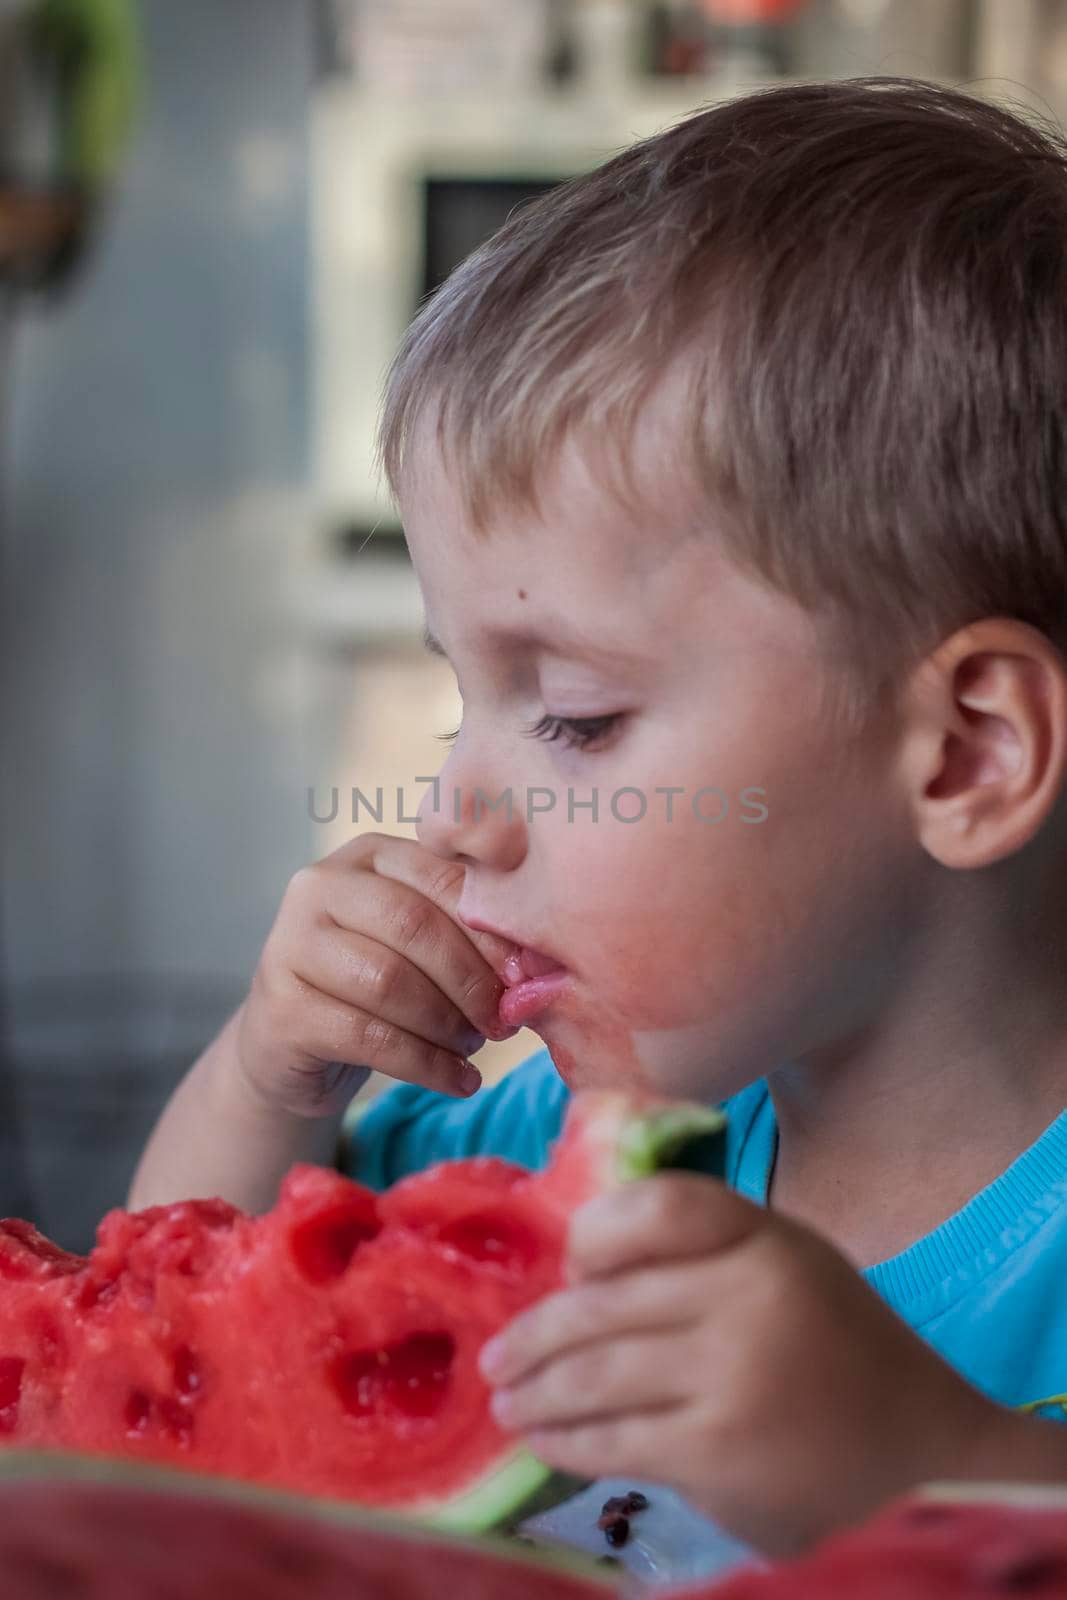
point(866, 282)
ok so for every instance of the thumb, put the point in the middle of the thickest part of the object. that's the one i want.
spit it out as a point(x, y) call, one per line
point(668, 1217)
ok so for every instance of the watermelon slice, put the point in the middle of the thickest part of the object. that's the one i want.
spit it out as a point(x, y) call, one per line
point(87, 1529)
point(329, 1347)
point(949, 1542)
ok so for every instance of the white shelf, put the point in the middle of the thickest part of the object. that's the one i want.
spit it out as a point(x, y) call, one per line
point(370, 153)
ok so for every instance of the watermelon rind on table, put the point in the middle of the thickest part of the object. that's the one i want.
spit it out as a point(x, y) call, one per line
point(90, 1529)
point(943, 1541)
point(329, 1347)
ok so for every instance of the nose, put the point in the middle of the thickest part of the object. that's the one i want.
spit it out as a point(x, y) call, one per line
point(470, 821)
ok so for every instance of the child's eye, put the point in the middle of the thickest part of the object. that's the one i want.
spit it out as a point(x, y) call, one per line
point(579, 731)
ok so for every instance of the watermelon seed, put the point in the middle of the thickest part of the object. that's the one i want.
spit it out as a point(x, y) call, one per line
point(633, 1500)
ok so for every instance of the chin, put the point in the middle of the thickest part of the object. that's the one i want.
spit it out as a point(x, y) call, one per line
point(575, 1073)
point(590, 1063)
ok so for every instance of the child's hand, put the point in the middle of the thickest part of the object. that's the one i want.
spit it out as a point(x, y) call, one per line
point(709, 1344)
point(365, 967)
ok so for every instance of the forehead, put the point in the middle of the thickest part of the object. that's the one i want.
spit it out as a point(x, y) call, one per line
point(587, 587)
point(624, 496)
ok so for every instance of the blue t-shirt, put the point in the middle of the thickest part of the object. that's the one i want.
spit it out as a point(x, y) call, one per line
point(987, 1288)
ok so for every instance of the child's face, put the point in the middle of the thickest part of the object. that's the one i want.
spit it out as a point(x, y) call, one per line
point(701, 953)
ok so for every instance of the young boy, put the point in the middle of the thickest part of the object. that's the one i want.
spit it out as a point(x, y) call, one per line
point(734, 474)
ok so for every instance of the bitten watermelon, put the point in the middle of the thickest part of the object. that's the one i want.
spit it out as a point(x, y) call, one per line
point(87, 1529)
point(328, 1347)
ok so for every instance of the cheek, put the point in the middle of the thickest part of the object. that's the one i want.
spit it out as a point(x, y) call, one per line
point(625, 917)
point(692, 925)
point(663, 908)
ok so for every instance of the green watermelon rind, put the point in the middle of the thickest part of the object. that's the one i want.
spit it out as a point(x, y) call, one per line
point(650, 1142)
point(62, 1466)
point(513, 1489)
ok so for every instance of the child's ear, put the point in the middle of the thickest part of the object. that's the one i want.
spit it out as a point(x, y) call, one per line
point(984, 750)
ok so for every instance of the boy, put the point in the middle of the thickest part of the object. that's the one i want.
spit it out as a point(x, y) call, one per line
point(732, 471)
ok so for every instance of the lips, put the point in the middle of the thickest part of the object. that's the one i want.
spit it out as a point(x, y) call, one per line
point(525, 963)
point(533, 982)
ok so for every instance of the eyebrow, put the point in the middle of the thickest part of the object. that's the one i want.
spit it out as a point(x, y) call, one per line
point(560, 638)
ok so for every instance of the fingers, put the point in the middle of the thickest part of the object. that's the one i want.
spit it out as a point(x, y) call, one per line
point(628, 1446)
point(675, 1215)
point(651, 1299)
point(642, 1257)
point(385, 985)
point(398, 895)
point(406, 861)
point(367, 967)
point(338, 1032)
point(602, 1379)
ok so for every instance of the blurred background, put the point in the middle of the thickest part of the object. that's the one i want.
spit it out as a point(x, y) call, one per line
point(216, 221)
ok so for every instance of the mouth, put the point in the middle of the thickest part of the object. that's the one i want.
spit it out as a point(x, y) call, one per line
point(533, 981)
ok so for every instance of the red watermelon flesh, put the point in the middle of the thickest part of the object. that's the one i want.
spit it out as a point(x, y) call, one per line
point(92, 1530)
point(329, 1346)
point(926, 1549)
